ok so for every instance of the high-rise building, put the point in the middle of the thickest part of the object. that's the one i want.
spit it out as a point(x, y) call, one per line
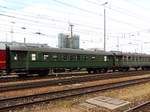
point(65, 41)
point(62, 40)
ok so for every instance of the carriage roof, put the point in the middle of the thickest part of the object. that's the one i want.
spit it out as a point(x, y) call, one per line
point(56, 50)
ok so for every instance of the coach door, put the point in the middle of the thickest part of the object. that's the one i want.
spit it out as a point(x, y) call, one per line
point(118, 60)
point(23, 58)
point(19, 58)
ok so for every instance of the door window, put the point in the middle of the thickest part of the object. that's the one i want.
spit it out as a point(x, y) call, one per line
point(45, 56)
point(33, 57)
point(105, 58)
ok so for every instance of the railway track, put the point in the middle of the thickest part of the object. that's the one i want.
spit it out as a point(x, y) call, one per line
point(63, 81)
point(16, 102)
point(15, 78)
point(143, 107)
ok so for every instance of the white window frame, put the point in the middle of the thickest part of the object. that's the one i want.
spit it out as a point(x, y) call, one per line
point(105, 58)
point(33, 56)
point(16, 57)
point(45, 56)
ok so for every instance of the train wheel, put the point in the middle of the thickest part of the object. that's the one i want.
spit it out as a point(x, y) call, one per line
point(43, 72)
point(95, 71)
point(100, 71)
point(136, 68)
point(105, 70)
point(89, 71)
point(22, 75)
point(113, 70)
point(125, 69)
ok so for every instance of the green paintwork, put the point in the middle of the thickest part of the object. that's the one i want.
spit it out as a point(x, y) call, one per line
point(24, 60)
point(132, 62)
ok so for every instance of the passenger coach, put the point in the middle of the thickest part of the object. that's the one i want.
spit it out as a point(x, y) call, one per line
point(125, 61)
point(24, 59)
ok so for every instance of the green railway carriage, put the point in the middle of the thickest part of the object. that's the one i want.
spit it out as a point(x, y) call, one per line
point(27, 59)
point(124, 61)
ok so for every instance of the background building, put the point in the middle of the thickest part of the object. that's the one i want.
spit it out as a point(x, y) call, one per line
point(65, 41)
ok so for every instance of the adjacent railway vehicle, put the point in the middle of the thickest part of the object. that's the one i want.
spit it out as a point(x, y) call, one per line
point(24, 59)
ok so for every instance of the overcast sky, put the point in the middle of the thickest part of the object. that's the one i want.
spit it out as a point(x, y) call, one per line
point(127, 22)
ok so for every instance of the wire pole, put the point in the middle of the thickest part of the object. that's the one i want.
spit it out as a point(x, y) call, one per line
point(71, 35)
point(104, 29)
point(71, 29)
point(105, 25)
point(117, 43)
point(12, 30)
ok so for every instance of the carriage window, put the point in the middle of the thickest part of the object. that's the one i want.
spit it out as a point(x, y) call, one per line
point(123, 58)
point(85, 57)
point(33, 57)
point(134, 58)
point(117, 59)
point(105, 58)
point(45, 56)
point(72, 57)
point(126, 58)
point(78, 57)
point(16, 57)
point(65, 57)
point(140, 58)
point(93, 57)
point(137, 58)
point(129, 58)
point(54, 56)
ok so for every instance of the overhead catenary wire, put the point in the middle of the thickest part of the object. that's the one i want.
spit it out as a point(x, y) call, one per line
point(121, 11)
point(45, 35)
point(94, 14)
point(43, 20)
point(51, 19)
point(47, 17)
point(137, 5)
point(51, 26)
point(82, 31)
point(77, 8)
point(115, 20)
